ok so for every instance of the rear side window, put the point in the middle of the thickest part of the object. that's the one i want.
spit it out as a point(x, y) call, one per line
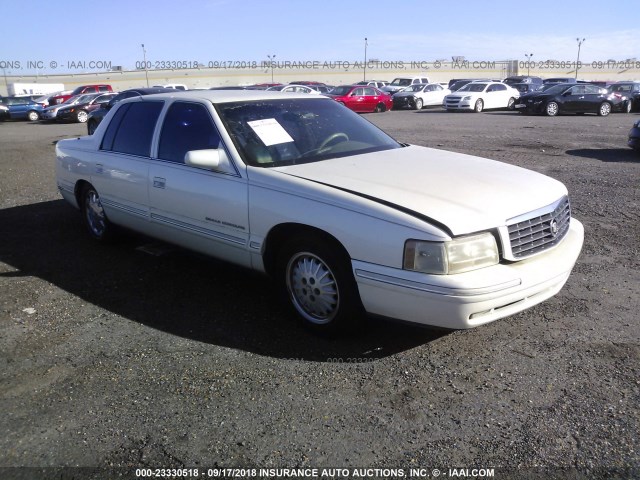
point(187, 126)
point(131, 128)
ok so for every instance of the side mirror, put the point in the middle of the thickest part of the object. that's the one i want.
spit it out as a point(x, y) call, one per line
point(106, 105)
point(567, 93)
point(209, 159)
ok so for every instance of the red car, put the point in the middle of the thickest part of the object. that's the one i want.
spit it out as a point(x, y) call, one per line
point(361, 98)
point(63, 97)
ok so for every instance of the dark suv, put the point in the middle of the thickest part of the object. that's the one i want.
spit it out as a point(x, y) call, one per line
point(511, 81)
point(96, 116)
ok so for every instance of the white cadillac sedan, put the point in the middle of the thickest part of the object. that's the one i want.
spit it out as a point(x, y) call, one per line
point(479, 96)
point(346, 220)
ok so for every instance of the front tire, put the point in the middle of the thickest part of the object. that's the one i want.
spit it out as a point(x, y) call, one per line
point(479, 106)
point(419, 104)
point(81, 116)
point(94, 217)
point(551, 109)
point(318, 284)
point(605, 109)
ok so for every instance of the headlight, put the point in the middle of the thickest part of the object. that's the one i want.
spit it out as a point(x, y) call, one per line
point(464, 99)
point(637, 124)
point(455, 256)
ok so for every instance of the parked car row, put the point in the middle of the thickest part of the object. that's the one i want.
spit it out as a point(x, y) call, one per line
point(75, 109)
point(527, 94)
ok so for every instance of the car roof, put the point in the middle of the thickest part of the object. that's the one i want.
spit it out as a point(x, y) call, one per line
point(226, 96)
point(147, 90)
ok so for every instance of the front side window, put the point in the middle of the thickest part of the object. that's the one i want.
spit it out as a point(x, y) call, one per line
point(187, 126)
point(131, 128)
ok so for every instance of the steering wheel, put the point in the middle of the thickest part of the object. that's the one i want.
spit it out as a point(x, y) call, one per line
point(331, 138)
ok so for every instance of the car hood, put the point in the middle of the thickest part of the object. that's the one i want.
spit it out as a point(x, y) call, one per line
point(466, 194)
point(405, 94)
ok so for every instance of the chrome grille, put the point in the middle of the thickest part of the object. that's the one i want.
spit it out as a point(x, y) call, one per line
point(540, 233)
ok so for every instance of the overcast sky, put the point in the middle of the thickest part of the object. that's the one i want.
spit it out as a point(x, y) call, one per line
point(328, 30)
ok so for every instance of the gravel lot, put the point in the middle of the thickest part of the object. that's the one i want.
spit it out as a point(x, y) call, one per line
point(116, 357)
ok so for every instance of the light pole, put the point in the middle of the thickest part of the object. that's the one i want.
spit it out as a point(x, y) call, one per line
point(528, 55)
point(144, 58)
point(578, 59)
point(6, 84)
point(365, 58)
point(271, 59)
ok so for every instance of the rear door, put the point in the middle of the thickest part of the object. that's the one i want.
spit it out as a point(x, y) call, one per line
point(433, 94)
point(371, 99)
point(121, 168)
point(497, 96)
point(18, 106)
point(593, 98)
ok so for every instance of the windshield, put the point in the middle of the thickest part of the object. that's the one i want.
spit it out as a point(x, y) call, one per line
point(414, 88)
point(273, 133)
point(84, 98)
point(473, 87)
point(401, 82)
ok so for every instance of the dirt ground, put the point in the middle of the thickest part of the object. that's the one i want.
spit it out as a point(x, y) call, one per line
point(117, 358)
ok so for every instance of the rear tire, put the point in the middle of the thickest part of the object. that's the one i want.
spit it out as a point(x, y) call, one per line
point(33, 116)
point(91, 127)
point(94, 217)
point(604, 109)
point(381, 107)
point(511, 104)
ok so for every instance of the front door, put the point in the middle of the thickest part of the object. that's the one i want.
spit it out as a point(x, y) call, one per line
point(201, 209)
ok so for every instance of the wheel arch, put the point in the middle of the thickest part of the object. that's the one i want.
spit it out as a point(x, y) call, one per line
point(78, 189)
point(284, 232)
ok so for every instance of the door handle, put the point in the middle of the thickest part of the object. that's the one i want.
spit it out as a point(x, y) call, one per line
point(159, 182)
